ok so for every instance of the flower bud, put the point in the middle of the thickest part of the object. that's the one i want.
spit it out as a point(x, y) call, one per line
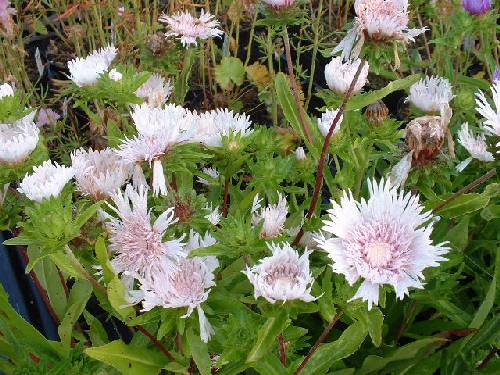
point(476, 7)
point(376, 112)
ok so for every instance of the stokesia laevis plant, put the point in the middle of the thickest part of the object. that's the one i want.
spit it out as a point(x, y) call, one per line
point(384, 240)
point(475, 146)
point(272, 217)
point(86, 71)
point(477, 7)
point(155, 91)
point(430, 94)
point(18, 140)
point(326, 121)
point(339, 75)
point(490, 113)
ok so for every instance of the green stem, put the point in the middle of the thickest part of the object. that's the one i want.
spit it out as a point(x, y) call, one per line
point(314, 53)
point(270, 52)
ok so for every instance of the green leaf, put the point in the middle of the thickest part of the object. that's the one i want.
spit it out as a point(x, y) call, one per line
point(230, 70)
point(199, 351)
point(374, 363)
point(78, 297)
point(330, 353)
point(116, 297)
point(269, 365)
point(373, 320)
point(102, 256)
point(130, 360)
point(362, 100)
point(267, 336)
point(489, 300)
point(85, 216)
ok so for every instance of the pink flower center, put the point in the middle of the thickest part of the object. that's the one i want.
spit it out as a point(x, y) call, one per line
point(378, 253)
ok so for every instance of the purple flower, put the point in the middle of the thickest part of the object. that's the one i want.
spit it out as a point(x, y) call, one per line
point(496, 75)
point(476, 7)
point(47, 117)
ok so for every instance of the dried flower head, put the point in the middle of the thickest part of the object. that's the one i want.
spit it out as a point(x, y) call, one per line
point(339, 75)
point(99, 173)
point(188, 28)
point(379, 20)
point(326, 121)
point(47, 180)
point(138, 246)
point(385, 241)
point(6, 90)
point(430, 94)
point(273, 216)
point(18, 140)
point(476, 146)
point(86, 71)
point(490, 113)
point(186, 283)
point(284, 276)
point(155, 91)
point(376, 112)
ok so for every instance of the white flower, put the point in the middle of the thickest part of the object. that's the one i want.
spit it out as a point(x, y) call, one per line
point(115, 75)
point(380, 20)
point(214, 216)
point(155, 91)
point(186, 283)
point(490, 114)
point(158, 131)
point(99, 173)
point(47, 180)
point(476, 146)
point(326, 121)
point(385, 240)
point(188, 28)
point(399, 173)
point(212, 126)
point(430, 94)
point(86, 71)
point(18, 140)
point(212, 172)
point(339, 75)
point(6, 90)
point(284, 276)
point(300, 154)
point(273, 216)
point(138, 245)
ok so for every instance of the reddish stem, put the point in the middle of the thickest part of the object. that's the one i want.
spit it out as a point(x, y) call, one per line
point(157, 343)
point(282, 349)
point(324, 152)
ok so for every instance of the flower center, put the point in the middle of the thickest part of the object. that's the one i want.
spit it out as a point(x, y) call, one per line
point(378, 253)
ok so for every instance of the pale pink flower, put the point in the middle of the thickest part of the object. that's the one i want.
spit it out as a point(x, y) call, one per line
point(47, 116)
point(155, 91)
point(490, 113)
point(6, 13)
point(399, 173)
point(300, 154)
point(339, 75)
point(284, 276)
point(212, 172)
point(188, 28)
point(186, 283)
point(86, 71)
point(476, 146)
point(6, 90)
point(138, 245)
point(272, 217)
point(214, 215)
point(380, 20)
point(46, 181)
point(430, 94)
point(279, 4)
point(385, 241)
point(326, 121)
point(99, 173)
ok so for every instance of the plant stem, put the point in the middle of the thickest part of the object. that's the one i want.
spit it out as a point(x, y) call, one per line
point(250, 39)
point(322, 338)
point(225, 207)
point(314, 53)
point(270, 52)
point(295, 88)
point(155, 341)
point(472, 186)
point(324, 151)
point(282, 349)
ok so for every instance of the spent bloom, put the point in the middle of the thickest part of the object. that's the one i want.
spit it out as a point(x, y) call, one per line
point(477, 7)
point(476, 146)
point(138, 245)
point(6, 90)
point(384, 241)
point(210, 127)
point(430, 94)
point(99, 173)
point(186, 284)
point(155, 91)
point(339, 75)
point(490, 113)
point(188, 28)
point(284, 276)
point(158, 131)
point(326, 121)
point(380, 20)
point(273, 216)
point(47, 116)
point(86, 71)
point(18, 140)
point(47, 180)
